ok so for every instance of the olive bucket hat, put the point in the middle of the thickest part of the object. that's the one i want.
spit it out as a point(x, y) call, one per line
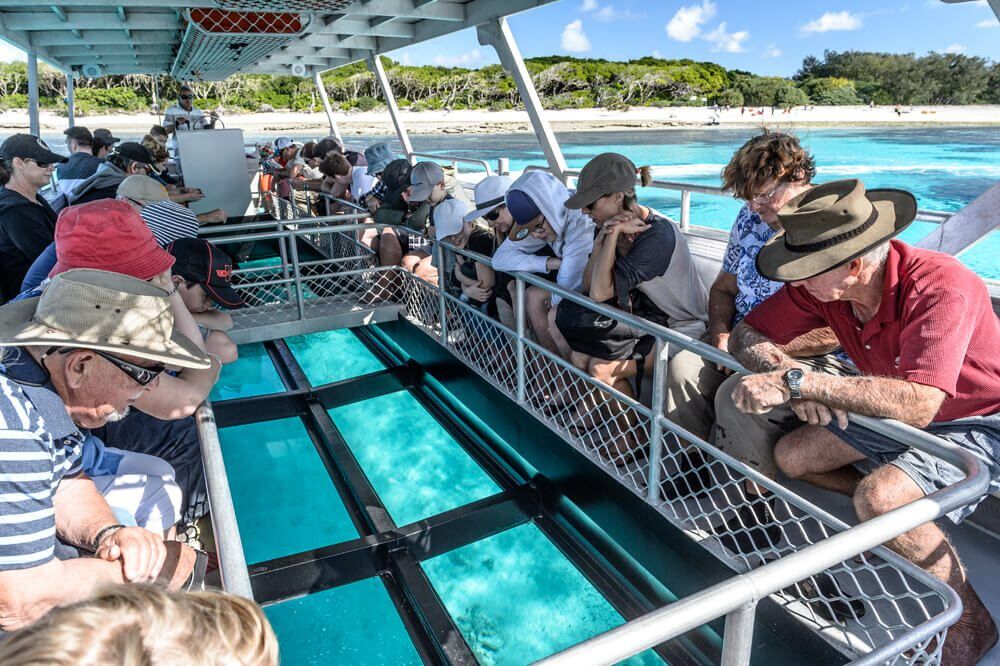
point(831, 224)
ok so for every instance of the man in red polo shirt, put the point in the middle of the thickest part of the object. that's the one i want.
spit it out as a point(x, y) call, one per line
point(921, 330)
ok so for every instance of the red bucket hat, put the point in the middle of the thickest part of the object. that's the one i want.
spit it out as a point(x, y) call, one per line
point(108, 235)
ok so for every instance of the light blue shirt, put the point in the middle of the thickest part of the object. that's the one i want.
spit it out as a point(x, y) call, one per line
point(748, 235)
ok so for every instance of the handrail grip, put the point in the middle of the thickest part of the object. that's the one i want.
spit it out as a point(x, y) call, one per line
point(232, 559)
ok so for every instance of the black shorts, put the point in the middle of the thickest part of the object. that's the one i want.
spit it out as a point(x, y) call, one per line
point(594, 334)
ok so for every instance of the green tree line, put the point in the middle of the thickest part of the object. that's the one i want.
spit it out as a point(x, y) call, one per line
point(838, 78)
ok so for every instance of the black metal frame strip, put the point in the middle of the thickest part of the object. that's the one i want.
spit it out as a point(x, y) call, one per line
point(432, 630)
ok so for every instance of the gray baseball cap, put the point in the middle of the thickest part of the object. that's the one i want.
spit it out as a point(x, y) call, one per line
point(423, 178)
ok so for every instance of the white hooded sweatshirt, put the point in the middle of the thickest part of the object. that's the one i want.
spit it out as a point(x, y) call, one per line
point(574, 234)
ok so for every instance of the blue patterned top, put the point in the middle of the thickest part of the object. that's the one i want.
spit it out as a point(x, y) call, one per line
point(749, 234)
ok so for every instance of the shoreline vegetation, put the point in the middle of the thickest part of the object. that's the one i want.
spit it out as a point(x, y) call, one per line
point(841, 88)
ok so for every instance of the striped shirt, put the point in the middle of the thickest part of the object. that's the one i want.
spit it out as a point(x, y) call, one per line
point(169, 221)
point(39, 446)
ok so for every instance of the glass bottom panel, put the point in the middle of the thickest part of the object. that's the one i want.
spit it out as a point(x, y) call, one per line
point(516, 599)
point(253, 373)
point(353, 624)
point(332, 356)
point(285, 501)
point(415, 466)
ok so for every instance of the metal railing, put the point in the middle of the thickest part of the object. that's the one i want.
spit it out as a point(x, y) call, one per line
point(454, 160)
point(881, 605)
point(686, 189)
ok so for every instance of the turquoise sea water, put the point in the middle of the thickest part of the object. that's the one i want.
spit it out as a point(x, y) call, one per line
point(945, 168)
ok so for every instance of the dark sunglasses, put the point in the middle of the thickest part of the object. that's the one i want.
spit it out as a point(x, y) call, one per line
point(493, 215)
point(187, 96)
point(40, 165)
point(141, 375)
point(591, 205)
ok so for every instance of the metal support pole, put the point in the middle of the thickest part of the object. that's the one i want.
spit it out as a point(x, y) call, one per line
point(375, 65)
point(156, 100)
point(33, 124)
point(70, 98)
point(496, 33)
point(521, 332)
point(300, 300)
point(442, 280)
point(737, 641)
point(685, 210)
point(334, 130)
point(662, 351)
point(503, 166)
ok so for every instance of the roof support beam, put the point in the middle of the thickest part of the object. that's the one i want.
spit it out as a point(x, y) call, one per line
point(124, 21)
point(496, 33)
point(375, 65)
point(438, 11)
point(70, 98)
point(33, 124)
point(135, 20)
point(95, 37)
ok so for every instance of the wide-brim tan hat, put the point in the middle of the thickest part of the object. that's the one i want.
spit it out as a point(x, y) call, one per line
point(92, 309)
point(831, 224)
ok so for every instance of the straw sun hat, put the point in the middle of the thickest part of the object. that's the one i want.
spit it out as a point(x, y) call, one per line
point(91, 309)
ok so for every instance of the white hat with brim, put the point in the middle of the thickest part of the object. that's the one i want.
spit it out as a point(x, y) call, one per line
point(489, 194)
point(449, 218)
point(92, 309)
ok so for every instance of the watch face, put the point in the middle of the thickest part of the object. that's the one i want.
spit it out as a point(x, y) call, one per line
point(795, 373)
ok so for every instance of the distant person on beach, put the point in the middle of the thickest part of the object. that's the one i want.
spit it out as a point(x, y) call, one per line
point(184, 115)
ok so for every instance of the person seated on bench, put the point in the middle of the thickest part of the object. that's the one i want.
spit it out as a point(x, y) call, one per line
point(921, 330)
point(536, 202)
point(640, 264)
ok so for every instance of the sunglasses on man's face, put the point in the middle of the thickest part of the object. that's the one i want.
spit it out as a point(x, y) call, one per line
point(187, 96)
point(141, 375)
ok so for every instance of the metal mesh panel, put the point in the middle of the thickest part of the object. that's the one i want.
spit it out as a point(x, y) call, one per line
point(322, 6)
point(217, 43)
point(858, 605)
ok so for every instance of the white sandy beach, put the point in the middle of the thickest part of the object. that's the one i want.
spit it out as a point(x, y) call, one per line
point(483, 122)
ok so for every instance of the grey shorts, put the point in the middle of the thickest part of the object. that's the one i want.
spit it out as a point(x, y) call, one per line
point(979, 435)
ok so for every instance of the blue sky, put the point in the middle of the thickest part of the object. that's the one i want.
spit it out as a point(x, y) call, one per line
point(768, 37)
point(763, 37)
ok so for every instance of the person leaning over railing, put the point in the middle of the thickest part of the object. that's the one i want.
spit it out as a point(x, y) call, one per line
point(75, 358)
point(491, 207)
point(766, 172)
point(469, 280)
point(921, 329)
point(127, 159)
point(133, 625)
point(378, 156)
point(640, 264)
point(536, 202)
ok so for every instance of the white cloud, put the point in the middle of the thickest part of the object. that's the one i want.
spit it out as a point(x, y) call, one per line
point(686, 23)
point(10, 53)
point(574, 39)
point(773, 51)
point(608, 13)
point(589, 6)
point(833, 21)
point(730, 42)
point(988, 23)
point(461, 60)
point(955, 49)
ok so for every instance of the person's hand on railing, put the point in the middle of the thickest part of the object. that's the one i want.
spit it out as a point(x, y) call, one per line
point(816, 413)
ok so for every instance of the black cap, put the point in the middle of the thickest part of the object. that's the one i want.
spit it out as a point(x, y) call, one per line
point(396, 178)
point(136, 152)
point(103, 138)
point(29, 146)
point(79, 134)
point(199, 261)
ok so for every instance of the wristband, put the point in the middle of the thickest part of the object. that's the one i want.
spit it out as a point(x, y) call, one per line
point(215, 356)
point(104, 531)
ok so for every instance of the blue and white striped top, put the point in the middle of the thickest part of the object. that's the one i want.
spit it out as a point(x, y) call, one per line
point(39, 446)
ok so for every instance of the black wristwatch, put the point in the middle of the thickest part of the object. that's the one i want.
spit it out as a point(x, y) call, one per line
point(793, 379)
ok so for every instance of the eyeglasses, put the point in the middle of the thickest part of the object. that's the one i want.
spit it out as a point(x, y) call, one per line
point(494, 214)
point(141, 375)
point(187, 96)
point(766, 196)
point(591, 205)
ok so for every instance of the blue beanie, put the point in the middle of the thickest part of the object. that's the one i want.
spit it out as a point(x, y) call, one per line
point(521, 207)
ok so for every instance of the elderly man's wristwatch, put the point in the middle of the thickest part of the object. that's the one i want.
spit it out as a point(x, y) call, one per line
point(793, 379)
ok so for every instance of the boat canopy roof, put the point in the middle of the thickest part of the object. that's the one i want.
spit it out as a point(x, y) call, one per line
point(213, 39)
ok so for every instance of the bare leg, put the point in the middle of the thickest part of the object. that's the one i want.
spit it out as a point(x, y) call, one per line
point(536, 304)
point(817, 456)
point(557, 337)
point(927, 546)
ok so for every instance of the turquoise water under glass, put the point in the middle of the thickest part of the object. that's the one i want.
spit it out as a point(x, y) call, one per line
point(253, 374)
point(514, 596)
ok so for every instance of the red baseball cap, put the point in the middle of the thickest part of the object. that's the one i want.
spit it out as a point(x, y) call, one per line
point(108, 235)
